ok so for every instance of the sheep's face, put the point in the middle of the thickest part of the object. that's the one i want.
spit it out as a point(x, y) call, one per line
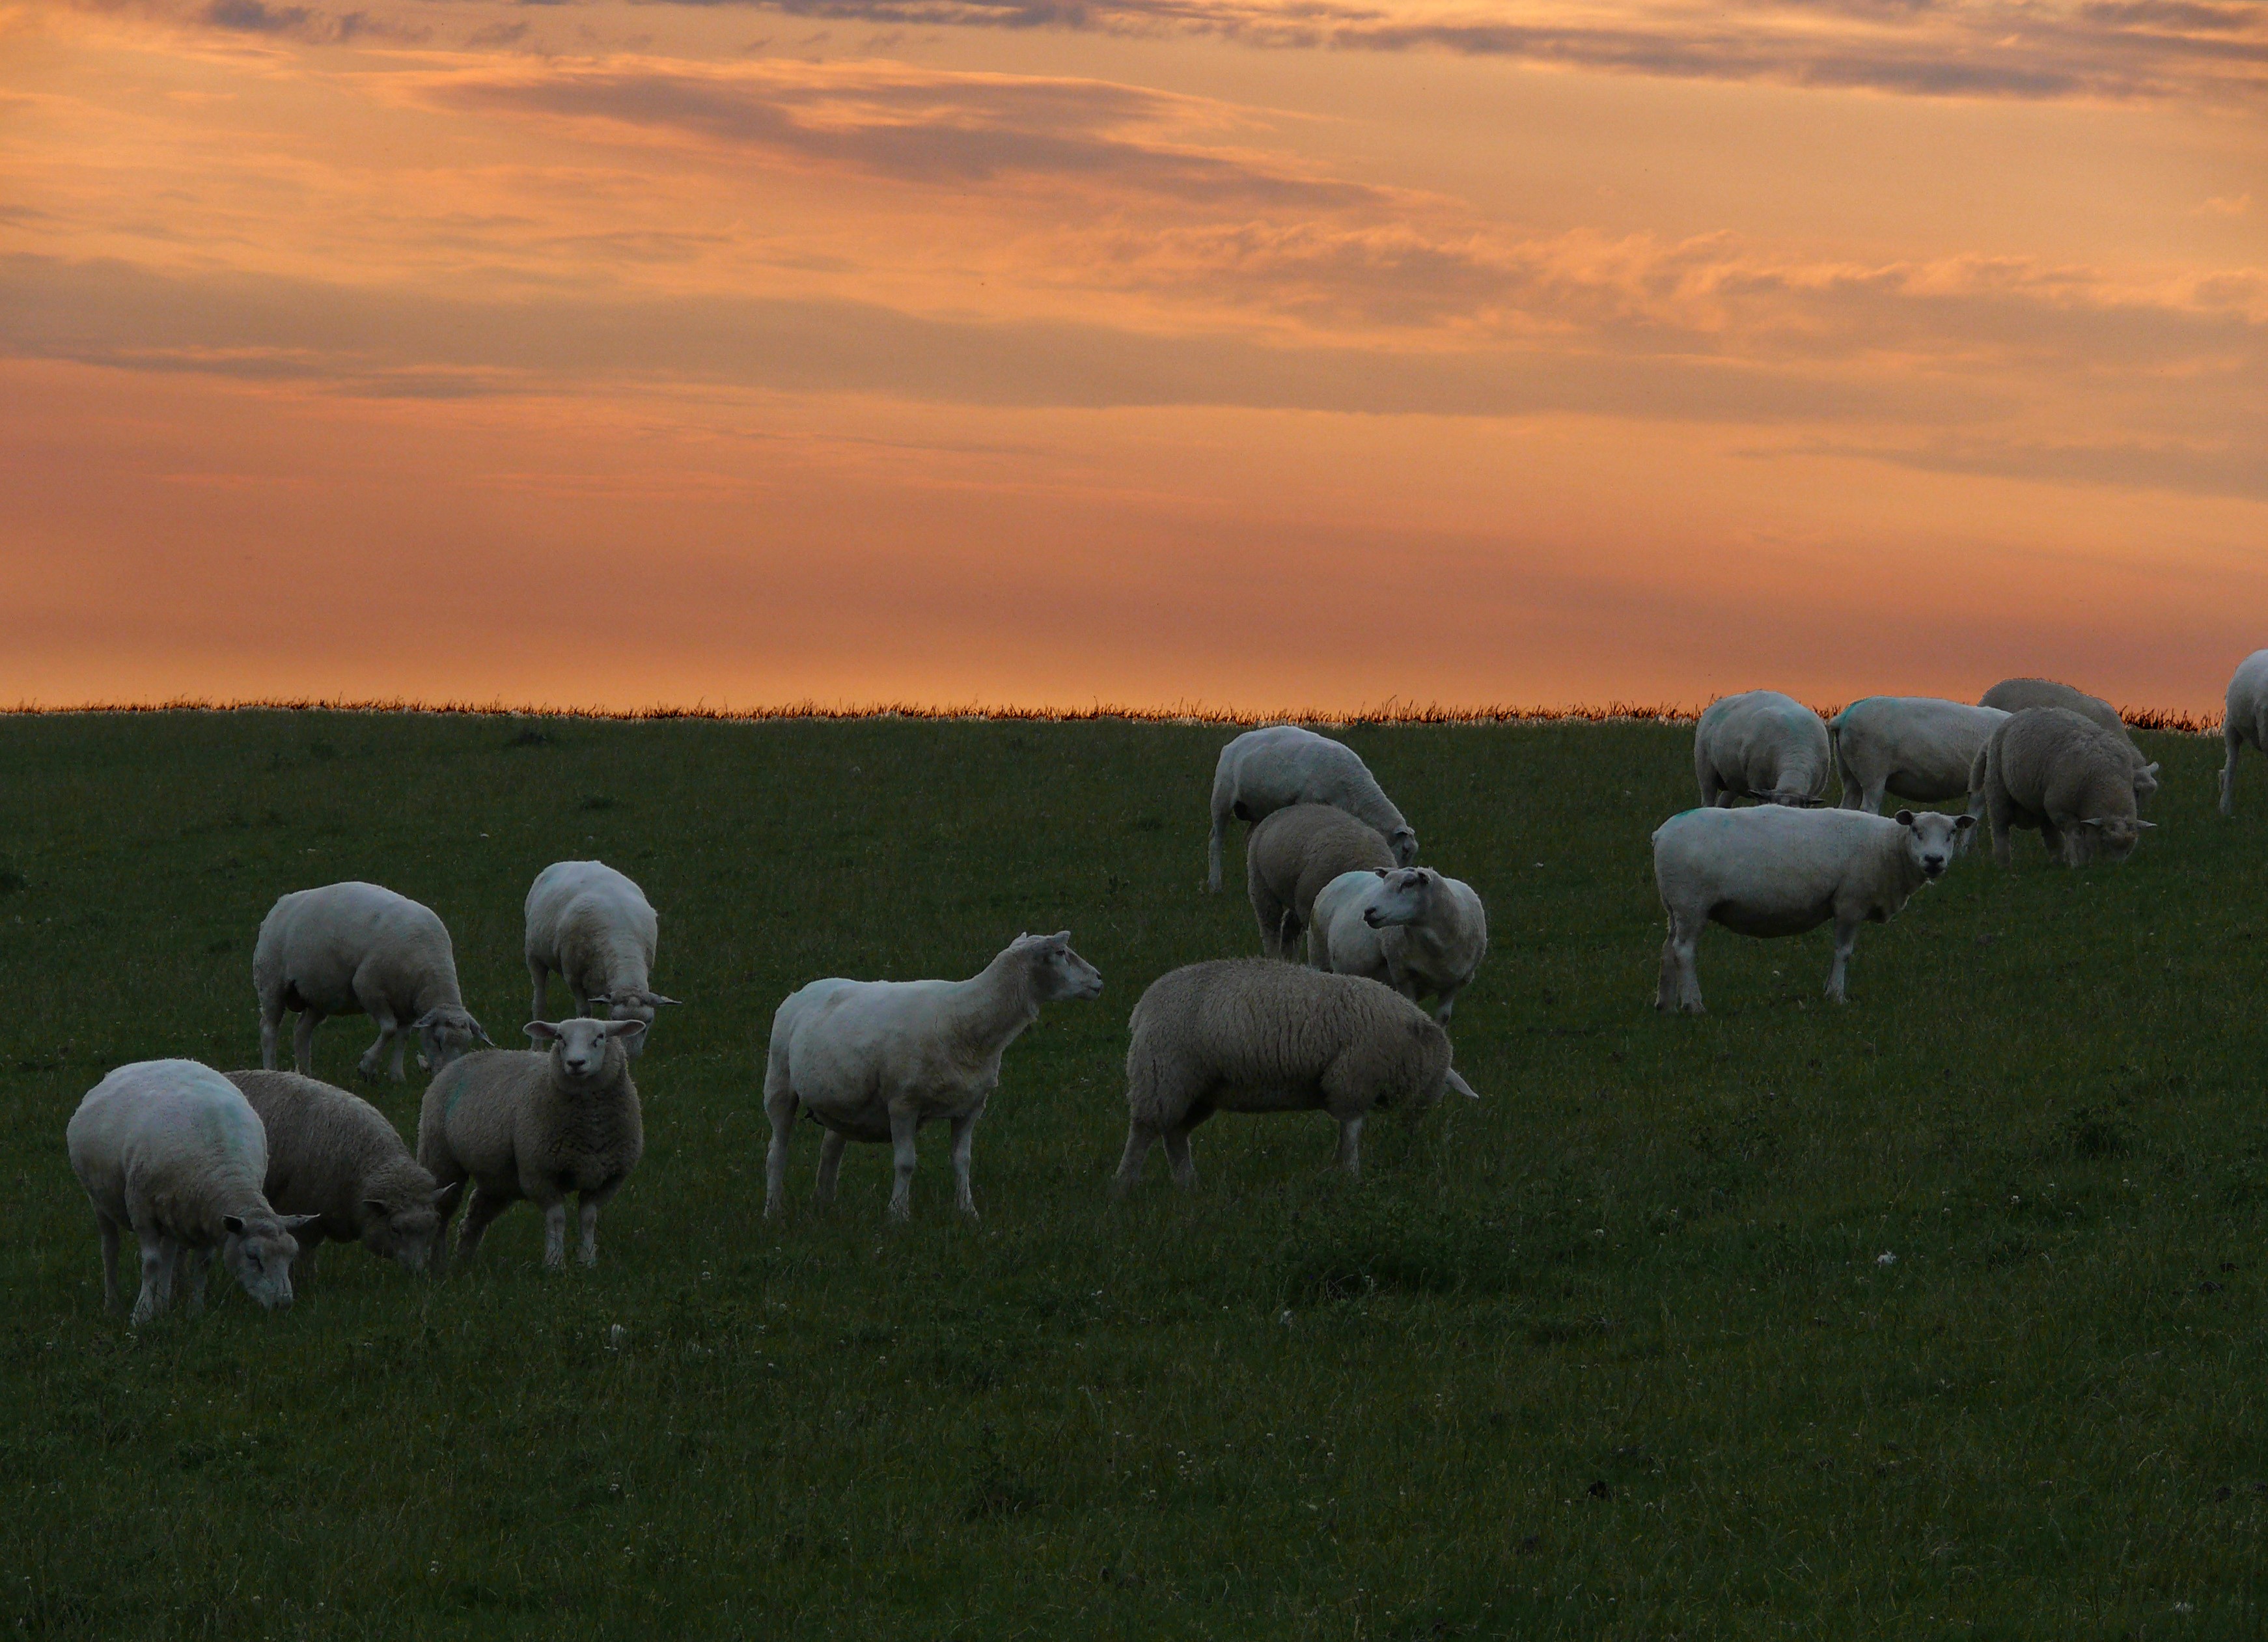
point(1404, 845)
point(2107, 838)
point(2146, 782)
point(578, 1047)
point(633, 1003)
point(447, 1032)
point(259, 1250)
point(1058, 972)
point(1933, 840)
point(402, 1232)
point(1401, 898)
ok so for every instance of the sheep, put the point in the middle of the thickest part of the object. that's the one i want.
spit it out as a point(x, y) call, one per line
point(874, 1060)
point(536, 1125)
point(1761, 744)
point(1916, 747)
point(1291, 855)
point(1412, 928)
point(597, 929)
point(1247, 1035)
point(333, 1156)
point(1263, 770)
point(358, 949)
point(2246, 720)
point(1773, 871)
point(171, 1148)
point(2015, 694)
point(2057, 770)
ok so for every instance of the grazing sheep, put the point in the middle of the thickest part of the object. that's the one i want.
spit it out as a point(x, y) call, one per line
point(1761, 744)
point(1262, 770)
point(2052, 768)
point(334, 1158)
point(536, 1125)
point(1291, 855)
point(2246, 721)
point(1772, 871)
point(1245, 1034)
point(2015, 694)
point(356, 949)
point(1412, 928)
point(171, 1149)
point(1916, 747)
point(597, 929)
point(874, 1060)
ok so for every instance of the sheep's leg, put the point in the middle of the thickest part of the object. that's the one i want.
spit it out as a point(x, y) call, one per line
point(157, 1275)
point(1680, 985)
point(555, 1235)
point(779, 1107)
point(2003, 815)
point(2234, 738)
point(271, 1017)
point(437, 1262)
point(303, 1040)
point(1871, 801)
point(1350, 1145)
point(830, 1167)
point(110, 1300)
point(1139, 1139)
point(310, 1239)
point(1177, 1155)
point(540, 973)
point(191, 1267)
point(587, 1249)
point(483, 1207)
point(964, 1130)
point(1213, 846)
point(904, 1123)
point(1846, 937)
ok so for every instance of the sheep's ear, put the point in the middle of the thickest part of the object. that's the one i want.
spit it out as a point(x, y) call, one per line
point(2143, 823)
point(1060, 938)
point(2092, 821)
point(624, 1028)
point(660, 1002)
point(424, 1021)
point(444, 1195)
point(1380, 870)
point(2150, 768)
point(1450, 1080)
point(293, 1222)
point(234, 1222)
point(601, 1000)
point(480, 1033)
point(372, 1205)
point(542, 1030)
point(1962, 823)
point(1905, 818)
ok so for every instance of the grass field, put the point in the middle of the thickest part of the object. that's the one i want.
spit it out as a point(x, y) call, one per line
point(1618, 1352)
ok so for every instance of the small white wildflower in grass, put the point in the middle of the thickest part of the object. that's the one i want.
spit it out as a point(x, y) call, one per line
point(1886, 1258)
point(616, 1335)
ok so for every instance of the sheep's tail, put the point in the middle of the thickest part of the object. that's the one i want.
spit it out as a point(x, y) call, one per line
point(1835, 755)
point(1980, 766)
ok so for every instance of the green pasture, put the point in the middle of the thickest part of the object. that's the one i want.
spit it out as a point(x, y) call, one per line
point(1939, 1315)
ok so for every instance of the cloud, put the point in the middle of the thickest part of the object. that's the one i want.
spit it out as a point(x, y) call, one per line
point(300, 22)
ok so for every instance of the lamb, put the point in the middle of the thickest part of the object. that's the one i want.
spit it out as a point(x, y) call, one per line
point(358, 949)
point(536, 1125)
point(171, 1149)
point(1916, 747)
point(1246, 1034)
point(333, 1157)
point(2015, 694)
point(1291, 855)
point(874, 1060)
point(2246, 720)
point(1761, 744)
point(1770, 872)
point(2052, 768)
point(1412, 928)
point(1263, 770)
point(597, 929)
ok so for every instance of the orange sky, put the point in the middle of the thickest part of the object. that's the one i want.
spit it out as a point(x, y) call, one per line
point(1255, 353)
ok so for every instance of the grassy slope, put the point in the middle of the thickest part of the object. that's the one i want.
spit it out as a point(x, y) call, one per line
point(1610, 1355)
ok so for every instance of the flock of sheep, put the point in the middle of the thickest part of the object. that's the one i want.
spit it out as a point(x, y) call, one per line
point(263, 1166)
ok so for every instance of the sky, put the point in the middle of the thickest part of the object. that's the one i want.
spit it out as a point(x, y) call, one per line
point(1263, 354)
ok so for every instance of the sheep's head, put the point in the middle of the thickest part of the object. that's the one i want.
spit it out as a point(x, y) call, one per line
point(404, 1228)
point(580, 1050)
point(2145, 781)
point(1402, 897)
point(258, 1249)
point(2106, 837)
point(447, 1031)
point(631, 1003)
point(1058, 972)
point(1403, 842)
point(1933, 840)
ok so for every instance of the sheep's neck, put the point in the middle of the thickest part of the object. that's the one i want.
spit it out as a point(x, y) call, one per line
point(992, 1008)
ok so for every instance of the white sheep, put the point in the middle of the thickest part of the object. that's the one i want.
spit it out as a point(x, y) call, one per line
point(358, 949)
point(1763, 745)
point(534, 1125)
point(874, 1060)
point(334, 1158)
point(1773, 871)
point(2060, 771)
point(1291, 855)
point(596, 928)
point(1250, 1035)
point(2015, 694)
point(1916, 747)
point(171, 1149)
point(1412, 928)
point(1262, 770)
point(2246, 721)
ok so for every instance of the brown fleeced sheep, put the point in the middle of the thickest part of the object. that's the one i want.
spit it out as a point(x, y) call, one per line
point(2049, 768)
point(2015, 694)
point(1293, 854)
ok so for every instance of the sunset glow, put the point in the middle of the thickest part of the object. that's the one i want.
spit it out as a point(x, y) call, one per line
point(1239, 352)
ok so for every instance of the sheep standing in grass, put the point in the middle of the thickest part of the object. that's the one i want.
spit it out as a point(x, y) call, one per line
point(1761, 744)
point(2015, 694)
point(1291, 855)
point(597, 929)
point(1244, 1034)
point(2246, 721)
point(1773, 871)
point(334, 1158)
point(1263, 770)
point(874, 1060)
point(536, 1125)
point(171, 1149)
point(1412, 928)
point(1915, 748)
point(356, 949)
point(2052, 768)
